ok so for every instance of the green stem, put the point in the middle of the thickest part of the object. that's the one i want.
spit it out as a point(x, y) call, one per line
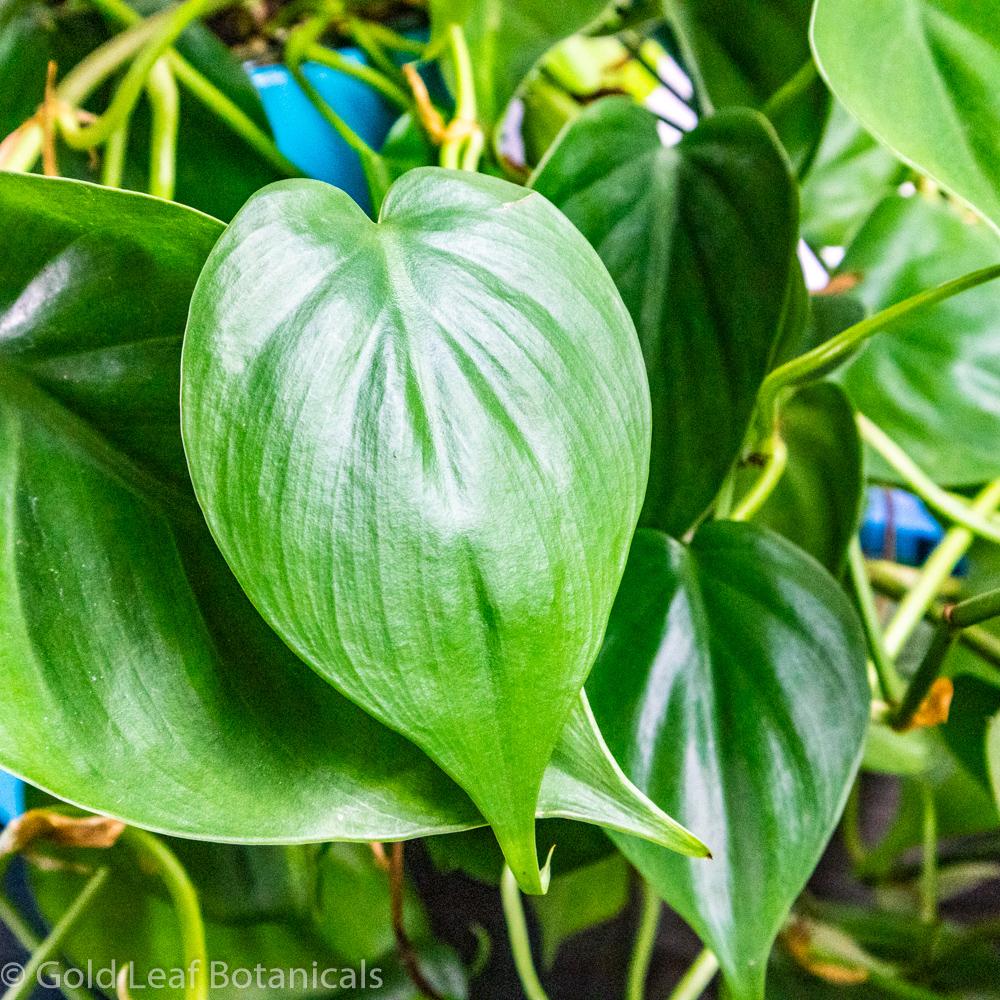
point(945, 503)
point(80, 82)
point(186, 905)
point(390, 39)
point(975, 610)
point(231, 114)
point(127, 94)
point(953, 621)
point(301, 40)
point(936, 571)
point(206, 92)
point(113, 165)
point(517, 931)
point(465, 107)
point(697, 977)
point(30, 941)
point(88, 74)
point(893, 581)
point(164, 104)
point(776, 452)
point(928, 671)
point(822, 359)
point(369, 43)
point(791, 90)
point(53, 943)
point(889, 680)
point(928, 864)
point(645, 939)
point(898, 988)
point(359, 71)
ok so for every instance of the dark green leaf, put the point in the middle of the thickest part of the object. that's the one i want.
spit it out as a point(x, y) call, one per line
point(732, 686)
point(921, 75)
point(931, 381)
point(390, 429)
point(817, 503)
point(700, 239)
point(852, 173)
point(139, 681)
point(742, 53)
point(506, 38)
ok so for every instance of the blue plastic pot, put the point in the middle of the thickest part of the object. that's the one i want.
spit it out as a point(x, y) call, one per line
point(11, 797)
point(916, 532)
point(306, 138)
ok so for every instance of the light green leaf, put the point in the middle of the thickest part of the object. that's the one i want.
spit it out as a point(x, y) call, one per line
point(920, 75)
point(932, 381)
point(817, 503)
point(173, 706)
point(700, 239)
point(391, 430)
point(732, 687)
point(506, 38)
point(755, 54)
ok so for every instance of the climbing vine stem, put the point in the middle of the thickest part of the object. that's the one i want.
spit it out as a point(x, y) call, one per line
point(464, 142)
point(184, 896)
point(824, 358)
point(695, 981)
point(52, 944)
point(936, 571)
point(645, 939)
point(517, 931)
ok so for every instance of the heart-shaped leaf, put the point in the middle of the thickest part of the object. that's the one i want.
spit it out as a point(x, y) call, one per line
point(506, 38)
point(732, 687)
point(174, 706)
point(422, 444)
point(921, 76)
point(817, 502)
point(700, 239)
point(745, 53)
point(932, 381)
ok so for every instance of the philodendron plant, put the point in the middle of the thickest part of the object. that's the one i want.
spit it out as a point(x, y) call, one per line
point(528, 501)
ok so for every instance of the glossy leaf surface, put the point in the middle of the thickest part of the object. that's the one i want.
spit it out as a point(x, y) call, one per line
point(931, 381)
point(921, 75)
point(742, 53)
point(700, 240)
point(817, 502)
point(174, 706)
point(507, 37)
point(391, 429)
point(732, 687)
